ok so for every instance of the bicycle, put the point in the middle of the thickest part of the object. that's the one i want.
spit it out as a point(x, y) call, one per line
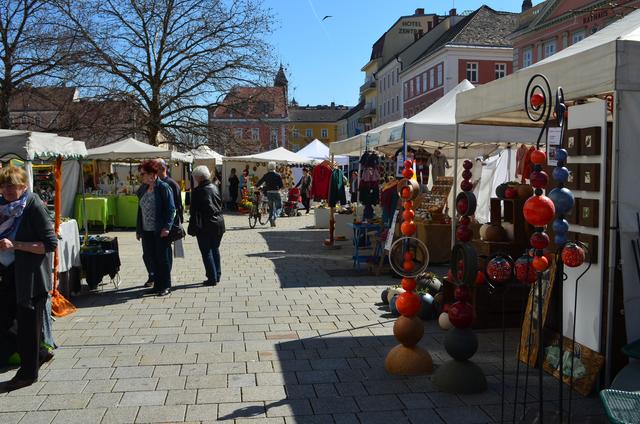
point(259, 212)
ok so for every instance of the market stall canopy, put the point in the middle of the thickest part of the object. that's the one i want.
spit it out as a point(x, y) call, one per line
point(132, 149)
point(318, 150)
point(31, 145)
point(601, 63)
point(206, 152)
point(279, 155)
point(357, 144)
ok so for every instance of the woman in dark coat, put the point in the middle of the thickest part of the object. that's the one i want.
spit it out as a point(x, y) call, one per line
point(26, 239)
point(156, 216)
point(206, 222)
point(234, 183)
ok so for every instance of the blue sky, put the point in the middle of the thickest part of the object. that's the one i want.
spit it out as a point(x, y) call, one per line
point(324, 58)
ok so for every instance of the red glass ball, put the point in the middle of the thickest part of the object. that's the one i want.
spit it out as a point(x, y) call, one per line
point(538, 157)
point(466, 174)
point(540, 263)
point(467, 164)
point(525, 272)
point(539, 240)
point(499, 270)
point(408, 228)
point(461, 314)
point(539, 179)
point(405, 193)
point(462, 205)
point(408, 304)
point(537, 100)
point(461, 293)
point(407, 173)
point(408, 266)
point(408, 164)
point(449, 276)
point(408, 256)
point(408, 205)
point(409, 284)
point(464, 220)
point(459, 275)
point(464, 233)
point(538, 210)
point(480, 279)
point(408, 215)
point(466, 185)
point(573, 255)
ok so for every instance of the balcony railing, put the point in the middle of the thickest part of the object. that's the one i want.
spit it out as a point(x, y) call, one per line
point(369, 85)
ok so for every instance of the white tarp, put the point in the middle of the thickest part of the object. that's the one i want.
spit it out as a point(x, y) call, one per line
point(279, 155)
point(205, 153)
point(30, 145)
point(318, 150)
point(132, 149)
point(357, 144)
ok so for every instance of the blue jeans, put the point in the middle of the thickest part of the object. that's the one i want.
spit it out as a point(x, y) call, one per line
point(209, 248)
point(159, 260)
point(275, 205)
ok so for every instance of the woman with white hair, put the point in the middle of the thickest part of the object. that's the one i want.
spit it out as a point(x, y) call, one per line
point(206, 222)
point(272, 184)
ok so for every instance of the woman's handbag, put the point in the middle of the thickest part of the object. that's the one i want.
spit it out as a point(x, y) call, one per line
point(176, 233)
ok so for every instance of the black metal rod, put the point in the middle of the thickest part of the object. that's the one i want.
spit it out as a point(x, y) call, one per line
point(559, 307)
point(529, 344)
point(515, 400)
point(504, 331)
point(540, 353)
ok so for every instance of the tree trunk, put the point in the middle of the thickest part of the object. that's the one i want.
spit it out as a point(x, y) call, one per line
point(5, 96)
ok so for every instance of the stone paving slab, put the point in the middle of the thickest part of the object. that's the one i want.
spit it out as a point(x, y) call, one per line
point(278, 341)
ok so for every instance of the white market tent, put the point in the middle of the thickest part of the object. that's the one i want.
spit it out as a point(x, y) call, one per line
point(206, 153)
point(354, 146)
point(131, 149)
point(607, 62)
point(318, 150)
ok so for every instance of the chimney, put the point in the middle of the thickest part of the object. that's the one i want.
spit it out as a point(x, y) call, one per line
point(526, 5)
point(420, 11)
point(452, 12)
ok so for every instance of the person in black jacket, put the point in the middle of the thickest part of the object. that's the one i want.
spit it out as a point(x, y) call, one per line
point(272, 184)
point(206, 222)
point(234, 183)
point(176, 190)
point(26, 239)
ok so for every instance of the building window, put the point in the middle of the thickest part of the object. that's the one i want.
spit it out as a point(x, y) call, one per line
point(527, 57)
point(296, 133)
point(255, 133)
point(406, 90)
point(393, 105)
point(411, 83)
point(472, 71)
point(419, 82)
point(397, 75)
point(308, 132)
point(238, 133)
point(501, 70)
point(38, 121)
point(578, 36)
point(324, 133)
point(393, 77)
point(549, 48)
point(432, 78)
point(274, 137)
point(439, 75)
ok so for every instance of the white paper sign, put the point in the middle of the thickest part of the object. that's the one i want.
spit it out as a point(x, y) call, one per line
point(554, 141)
point(392, 230)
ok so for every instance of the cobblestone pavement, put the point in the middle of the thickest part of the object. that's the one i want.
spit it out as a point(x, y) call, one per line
point(278, 341)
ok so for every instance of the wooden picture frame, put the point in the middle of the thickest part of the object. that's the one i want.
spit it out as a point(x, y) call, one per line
point(590, 141)
point(586, 363)
point(571, 142)
point(588, 213)
point(592, 245)
point(589, 177)
point(529, 337)
point(573, 182)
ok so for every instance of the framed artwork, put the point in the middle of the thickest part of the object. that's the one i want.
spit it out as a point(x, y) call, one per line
point(586, 363)
point(592, 245)
point(589, 177)
point(588, 213)
point(573, 182)
point(571, 142)
point(590, 141)
point(572, 215)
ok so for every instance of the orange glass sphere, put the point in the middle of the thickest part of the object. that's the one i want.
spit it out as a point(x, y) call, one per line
point(408, 228)
point(408, 205)
point(405, 193)
point(409, 284)
point(408, 266)
point(408, 173)
point(538, 157)
point(539, 211)
point(408, 256)
point(537, 100)
point(408, 304)
point(408, 215)
point(540, 263)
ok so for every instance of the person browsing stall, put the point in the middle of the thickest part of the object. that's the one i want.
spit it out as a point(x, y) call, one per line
point(272, 184)
point(163, 174)
point(305, 188)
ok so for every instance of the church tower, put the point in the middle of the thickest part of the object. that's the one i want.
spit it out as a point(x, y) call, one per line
point(281, 81)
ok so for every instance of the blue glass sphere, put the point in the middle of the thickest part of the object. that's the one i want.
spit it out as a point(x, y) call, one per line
point(561, 174)
point(560, 226)
point(561, 154)
point(560, 239)
point(562, 199)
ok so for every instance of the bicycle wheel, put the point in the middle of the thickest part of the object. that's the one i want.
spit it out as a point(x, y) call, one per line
point(263, 217)
point(252, 218)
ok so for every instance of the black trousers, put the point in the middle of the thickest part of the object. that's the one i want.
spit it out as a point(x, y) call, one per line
point(159, 258)
point(306, 201)
point(29, 321)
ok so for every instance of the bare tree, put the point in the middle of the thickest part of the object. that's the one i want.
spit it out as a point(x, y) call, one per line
point(173, 56)
point(33, 49)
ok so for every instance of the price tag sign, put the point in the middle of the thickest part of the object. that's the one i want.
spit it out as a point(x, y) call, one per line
point(392, 230)
point(554, 140)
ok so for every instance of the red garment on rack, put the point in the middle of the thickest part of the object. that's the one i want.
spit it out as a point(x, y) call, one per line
point(521, 153)
point(320, 181)
point(527, 167)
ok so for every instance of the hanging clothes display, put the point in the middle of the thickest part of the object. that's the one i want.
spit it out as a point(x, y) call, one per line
point(527, 166)
point(389, 200)
point(422, 166)
point(337, 192)
point(439, 163)
point(321, 177)
point(520, 155)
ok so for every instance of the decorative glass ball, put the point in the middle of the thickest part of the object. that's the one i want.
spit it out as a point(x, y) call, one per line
point(466, 174)
point(407, 173)
point(562, 199)
point(467, 164)
point(538, 210)
point(408, 164)
point(464, 233)
point(560, 239)
point(538, 157)
point(539, 179)
point(461, 314)
point(561, 174)
point(464, 220)
point(539, 240)
point(466, 185)
point(537, 99)
point(561, 154)
point(525, 272)
point(408, 304)
point(540, 263)
point(560, 226)
point(462, 205)
point(409, 284)
point(499, 270)
point(408, 214)
point(461, 293)
point(573, 255)
point(408, 228)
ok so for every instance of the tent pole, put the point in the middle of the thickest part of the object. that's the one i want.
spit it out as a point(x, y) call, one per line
point(404, 144)
point(85, 220)
point(455, 191)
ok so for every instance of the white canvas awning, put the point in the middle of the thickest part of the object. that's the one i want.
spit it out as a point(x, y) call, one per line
point(205, 153)
point(355, 145)
point(131, 149)
point(31, 145)
point(318, 150)
point(279, 155)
